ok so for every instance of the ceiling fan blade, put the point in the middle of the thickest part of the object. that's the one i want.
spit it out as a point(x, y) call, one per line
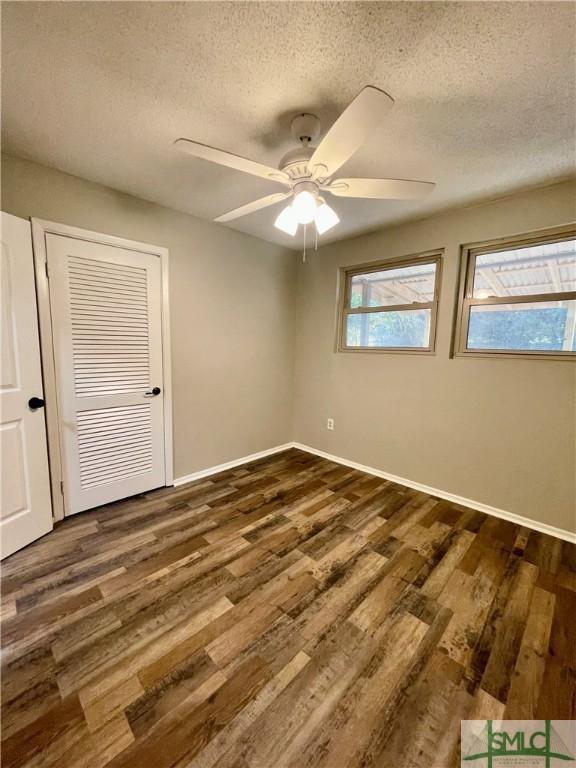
point(380, 189)
point(352, 129)
point(254, 206)
point(204, 152)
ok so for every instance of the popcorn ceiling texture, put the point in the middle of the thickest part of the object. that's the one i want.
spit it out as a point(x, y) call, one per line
point(484, 95)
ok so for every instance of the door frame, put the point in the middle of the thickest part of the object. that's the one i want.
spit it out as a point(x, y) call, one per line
point(41, 228)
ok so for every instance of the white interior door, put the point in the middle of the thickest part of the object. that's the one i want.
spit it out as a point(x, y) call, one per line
point(106, 306)
point(26, 512)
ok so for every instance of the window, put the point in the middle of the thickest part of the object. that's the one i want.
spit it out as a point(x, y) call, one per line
point(518, 297)
point(390, 306)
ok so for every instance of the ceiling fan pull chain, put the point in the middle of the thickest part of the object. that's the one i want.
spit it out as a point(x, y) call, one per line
point(304, 251)
point(315, 239)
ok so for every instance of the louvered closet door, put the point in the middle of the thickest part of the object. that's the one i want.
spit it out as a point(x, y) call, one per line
point(107, 327)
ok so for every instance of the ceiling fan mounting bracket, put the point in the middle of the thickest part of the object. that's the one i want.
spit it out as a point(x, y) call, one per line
point(305, 128)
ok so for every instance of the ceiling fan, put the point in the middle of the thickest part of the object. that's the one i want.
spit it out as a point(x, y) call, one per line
point(307, 172)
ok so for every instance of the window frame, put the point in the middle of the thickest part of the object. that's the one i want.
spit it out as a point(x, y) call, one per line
point(466, 300)
point(344, 310)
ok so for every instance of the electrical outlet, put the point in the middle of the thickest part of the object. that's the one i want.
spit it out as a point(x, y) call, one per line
point(330, 424)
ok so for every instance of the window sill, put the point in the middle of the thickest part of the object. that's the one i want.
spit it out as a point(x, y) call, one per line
point(386, 351)
point(509, 355)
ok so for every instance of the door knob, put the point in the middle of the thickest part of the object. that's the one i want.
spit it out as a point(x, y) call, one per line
point(153, 392)
point(35, 402)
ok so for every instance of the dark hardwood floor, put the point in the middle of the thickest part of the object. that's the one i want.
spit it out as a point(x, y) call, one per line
point(290, 612)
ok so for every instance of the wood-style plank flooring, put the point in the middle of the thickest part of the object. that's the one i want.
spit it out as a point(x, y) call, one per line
point(290, 612)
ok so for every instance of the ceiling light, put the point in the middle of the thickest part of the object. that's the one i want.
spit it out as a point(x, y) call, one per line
point(325, 218)
point(287, 221)
point(304, 206)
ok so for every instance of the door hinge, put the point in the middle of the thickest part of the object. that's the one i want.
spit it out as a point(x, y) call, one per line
point(46, 268)
point(62, 487)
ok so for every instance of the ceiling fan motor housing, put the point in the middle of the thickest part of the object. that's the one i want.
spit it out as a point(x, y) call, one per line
point(295, 162)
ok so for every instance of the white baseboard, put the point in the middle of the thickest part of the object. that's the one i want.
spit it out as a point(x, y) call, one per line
point(551, 530)
point(231, 464)
point(535, 525)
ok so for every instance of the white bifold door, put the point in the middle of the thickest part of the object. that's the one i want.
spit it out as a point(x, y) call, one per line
point(106, 308)
point(26, 510)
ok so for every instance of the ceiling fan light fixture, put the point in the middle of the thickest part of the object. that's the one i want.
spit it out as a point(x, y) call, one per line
point(304, 206)
point(325, 218)
point(287, 221)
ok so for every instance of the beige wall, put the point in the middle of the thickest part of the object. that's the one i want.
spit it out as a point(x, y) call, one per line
point(232, 300)
point(501, 432)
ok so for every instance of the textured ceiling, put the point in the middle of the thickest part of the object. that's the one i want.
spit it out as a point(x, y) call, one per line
point(484, 95)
